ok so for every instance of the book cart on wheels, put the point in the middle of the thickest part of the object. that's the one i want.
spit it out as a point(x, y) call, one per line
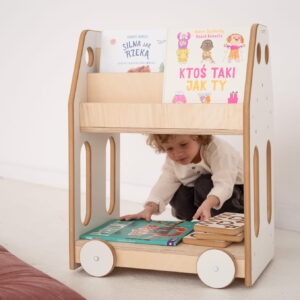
point(97, 116)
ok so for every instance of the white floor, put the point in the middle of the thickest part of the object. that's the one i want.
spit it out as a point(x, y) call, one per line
point(34, 226)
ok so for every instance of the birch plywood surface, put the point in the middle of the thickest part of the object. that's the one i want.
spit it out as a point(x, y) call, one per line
point(261, 135)
point(125, 87)
point(212, 117)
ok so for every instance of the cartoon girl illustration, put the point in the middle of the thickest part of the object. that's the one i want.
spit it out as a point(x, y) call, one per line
point(183, 52)
point(234, 42)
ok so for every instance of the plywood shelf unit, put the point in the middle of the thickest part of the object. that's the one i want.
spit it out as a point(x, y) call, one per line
point(101, 106)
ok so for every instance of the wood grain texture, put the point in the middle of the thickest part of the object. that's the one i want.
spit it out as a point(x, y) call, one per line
point(125, 87)
point(246, 147)
point(71, 124)
point(211, 118)
point(181, 258)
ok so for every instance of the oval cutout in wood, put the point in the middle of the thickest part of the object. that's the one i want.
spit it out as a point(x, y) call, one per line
point(89, 57)
point(267, 54)
point(256, 191)
point(85, 183)
point(258, 53)
point(110, 175)
point(269, 182)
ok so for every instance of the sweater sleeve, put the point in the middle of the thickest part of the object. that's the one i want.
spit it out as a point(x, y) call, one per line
point(223, 161)
point(166, 186)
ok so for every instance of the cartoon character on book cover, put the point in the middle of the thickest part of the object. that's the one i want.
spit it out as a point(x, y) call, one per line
point(207, 65)
point(153, 231)
point(168, 233)
point(235, 42)
point(206, 47)
point(183, 51)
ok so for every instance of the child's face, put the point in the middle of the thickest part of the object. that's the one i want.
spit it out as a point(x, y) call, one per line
point(183, 149)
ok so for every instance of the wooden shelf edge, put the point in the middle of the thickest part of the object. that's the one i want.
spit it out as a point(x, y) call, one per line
point(153, 117)
point(160, 130)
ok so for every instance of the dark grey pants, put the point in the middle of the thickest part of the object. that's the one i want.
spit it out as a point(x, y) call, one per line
point(186, 200)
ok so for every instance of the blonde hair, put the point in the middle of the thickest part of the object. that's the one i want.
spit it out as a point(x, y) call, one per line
point(156, 141)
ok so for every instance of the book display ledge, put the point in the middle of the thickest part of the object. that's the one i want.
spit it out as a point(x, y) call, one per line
point(135, 106)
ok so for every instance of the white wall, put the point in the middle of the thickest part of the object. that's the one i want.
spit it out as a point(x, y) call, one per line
point(38, 46)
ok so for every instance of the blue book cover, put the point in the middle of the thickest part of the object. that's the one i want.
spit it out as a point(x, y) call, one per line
point(166, 233)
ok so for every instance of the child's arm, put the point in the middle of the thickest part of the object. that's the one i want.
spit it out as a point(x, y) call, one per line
point(150, 209)
point(203, 212)
point(160, 194)
point(226, 168)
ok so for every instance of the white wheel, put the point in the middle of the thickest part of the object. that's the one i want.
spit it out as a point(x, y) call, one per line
point(216, 268)
point(97, 258)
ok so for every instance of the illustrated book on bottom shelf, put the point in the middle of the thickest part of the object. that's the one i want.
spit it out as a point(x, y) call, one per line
point(166, 233)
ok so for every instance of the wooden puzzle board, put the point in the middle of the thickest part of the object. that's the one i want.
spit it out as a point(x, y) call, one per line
point(192, 240)
point(225, 223)
point(218, 237)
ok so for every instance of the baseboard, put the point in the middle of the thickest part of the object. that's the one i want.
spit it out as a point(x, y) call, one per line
point(287, 217)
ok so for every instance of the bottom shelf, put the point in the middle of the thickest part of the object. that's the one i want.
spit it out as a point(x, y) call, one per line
point(181, 258)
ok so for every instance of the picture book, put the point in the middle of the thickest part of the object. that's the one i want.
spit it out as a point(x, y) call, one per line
point(225, 223)
point(206, 65)
point(133, 50)
point(192, 240)
point(166, 233)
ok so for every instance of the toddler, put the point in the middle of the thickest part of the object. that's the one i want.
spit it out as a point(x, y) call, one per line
point(201, 177)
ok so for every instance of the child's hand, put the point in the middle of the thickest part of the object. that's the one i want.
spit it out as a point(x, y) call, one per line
point(146, 214)
point(203, 212)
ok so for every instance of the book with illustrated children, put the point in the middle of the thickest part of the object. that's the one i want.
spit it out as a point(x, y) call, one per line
point(133, 50)
point(166, 233)
point(206, 65)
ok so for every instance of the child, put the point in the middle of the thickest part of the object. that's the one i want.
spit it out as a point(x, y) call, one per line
point(201, 177)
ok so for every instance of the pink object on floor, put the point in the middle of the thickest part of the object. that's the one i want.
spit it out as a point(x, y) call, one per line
point(20, 281)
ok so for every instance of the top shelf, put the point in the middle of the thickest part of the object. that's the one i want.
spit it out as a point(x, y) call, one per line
point(132, 102)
